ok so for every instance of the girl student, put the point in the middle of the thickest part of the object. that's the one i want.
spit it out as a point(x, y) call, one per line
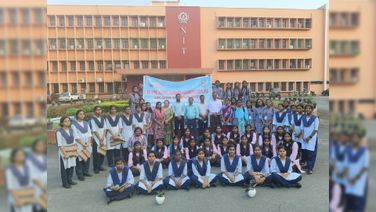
point(280, 118)
point(114, 128)
point(296, 126)
point(177, 173)
point(186, 138)
point(279, 135)
point(250, 134)
point(268, 150)
point(127, 132)
point(151, 177)
point(136, 158)
point(161, 152)
point(201, 171)
point(258, 169)
point(244, 149)
point(223, 147)
point(191, 150)
point(266, 133)
point(234, 135)
point(99, 128)
point(292, 149)
point(175, 146)
point(217, 136)
point(310, 138)
point(231, 169)
point(211, 152)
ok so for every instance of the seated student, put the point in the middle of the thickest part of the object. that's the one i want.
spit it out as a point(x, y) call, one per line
point(119, 183)
point(175, 146)
point(177, 174)
point(281, 171)
point(191, 150)
point(223, 147)
point(234, 135)
point(161, 152)
point(250, 133)
point(231, 169)
point(217, 136)
point(279, 135)
point(186, 138)
point(205, 134)
point(244, 149)
point(201, 169)
point(136, 158)
point(268, 149)
point(211, 152)
point(292, 149)
point(266, 134)
point(257, 169)
point(151, 176)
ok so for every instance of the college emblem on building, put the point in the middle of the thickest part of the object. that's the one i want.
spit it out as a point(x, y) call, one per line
point(183, 17)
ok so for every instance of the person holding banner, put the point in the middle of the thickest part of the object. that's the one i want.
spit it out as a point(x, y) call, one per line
point(191, 117)
point(215, 106)
point(179, 110)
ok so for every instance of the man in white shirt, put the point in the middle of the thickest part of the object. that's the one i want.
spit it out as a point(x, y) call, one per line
point(215, 106)
point(203, 111)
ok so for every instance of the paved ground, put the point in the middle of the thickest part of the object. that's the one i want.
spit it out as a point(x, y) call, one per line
point(88, 195)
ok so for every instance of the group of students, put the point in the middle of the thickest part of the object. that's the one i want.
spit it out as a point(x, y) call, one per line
point(349, 163)
point(275, 145)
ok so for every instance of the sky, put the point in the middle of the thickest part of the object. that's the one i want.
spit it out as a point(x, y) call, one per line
point(299, 4)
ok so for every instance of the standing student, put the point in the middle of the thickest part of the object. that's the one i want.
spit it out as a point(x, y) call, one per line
point(135, 98)
point(244, 149)
point(184, 141)
point(37, 162)
point(310, 138)
point(290, 114)
point(258, 116)
point(179, 109)
point(127, 132)
point(236, 91)
point(357, 175)
point(217, 136)
point(281, 170)
point(211, 152)
point(138, 136)
point(177, 174)
point(151, 176)
point(201, 171)
point(218, 90)
point(158, 119)
point(148, 127)
point(136, 158)
point(227, 116)
point(64, 139)
point(139, 119)
point(234, 135)
point(214, 107)
point(340, 162)
point(99, 128)
point(244, 92)
point(203, 113)
point(296, 126)
point(250, 114)
point(114, 128)
point(223, 147)
point(83, 137)
point(257, 169)
point(280, 118)
point(161, 152)
point(228, 91)
point(240, 117)
point(119, 184)
point(18, 177)
point(191, 117)
point(292, 149)
point(174, 147)
point(231, 169)
point(268, 114)
point(169, 128)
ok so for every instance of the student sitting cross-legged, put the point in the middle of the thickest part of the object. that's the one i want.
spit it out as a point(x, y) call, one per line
point(177, 174)
point(151, 176)
point(119, 182)
point(281, 170)
point(231, 169)
point(201, 171)
point(258, 169)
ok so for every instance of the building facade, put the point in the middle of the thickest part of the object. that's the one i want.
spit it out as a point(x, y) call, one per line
point(352, 57)
point(107, 49)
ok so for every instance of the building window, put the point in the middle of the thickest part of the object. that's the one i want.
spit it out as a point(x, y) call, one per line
point(74, 88)
point(145, 64)
point(230, 43)
point(125, 43)
point(90, 43)
point(117, 64)
point(63, 66)
point(115, 20)
point(161, 21)
point(107, 21)
point(268, 86)
point(110, 87)
point(136, 65)
point(260, 86)
point(108, 43)
point(298, 86)
point(82, 66)
point(134, 21)
point(143, 22)
point(135, 43)
point(238, 43)
point(283, 86)
point(153, 21)
point(252, 86)
point(98, 21)
point(162, 43)
point(162, 64)
point(305, 86)
point(71, 43)
point(108, 65)
point(92, 87)
point(101, 87)
point(52, 20)
point(230, 64)
point(89, 21)
point(126, 65)
point(341, 106)
point(91, 65)
point(73, 66)
point(124, 21)
point(80, 21)
point(117, 43)
point(3, 79)
point(83, 88)
point(25, 16)
point(100, 65)
point(70, 21)
point(238, 64)
point(56, 88)
point(154, 64)
point(61, 21)
point(245, 43)
point(99, 43)
point(29, 79)
point(291, 86)
point(65, 87)
point(221, 65)
point(144, 43)
point(153, 43)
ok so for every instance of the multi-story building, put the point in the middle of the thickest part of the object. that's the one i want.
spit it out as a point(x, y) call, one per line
point(107, 49)
point(352, 57)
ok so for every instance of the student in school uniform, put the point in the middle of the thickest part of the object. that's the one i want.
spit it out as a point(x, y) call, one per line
point(357, 175)
point(137, 136)
point(281, 171)
point(290, 114)
point(340, 155)
point(161, 152)
point(279, 135)
point(119, 184)
point(211, 152)
point(201, 138)
point(240, 117)
point(310, 138)
point(177, 174)
point(268, 114)
point(257, 169)
point(234, 135)
point(136, 158)
point(18, 177)
point(280, 118)
point(268, 150)
point(114, 128)
point(266, 133)
point(217, 136)
point(244, 149)
point(98, 128)
point(127, 131)
point(184, 141)
point(236, 91)
point(175, 146)
point(231, 169)
point(201, 171)
point(191, 150)
point(37, 163)
point(250, 113)
point(292, 151)
point(258, 116)
point(296, 126)
point(223, 147)
point(65, 138)
point(139, 119)
point(228, 91)
point(82, 135)
point(151, 177)
point(250, 134)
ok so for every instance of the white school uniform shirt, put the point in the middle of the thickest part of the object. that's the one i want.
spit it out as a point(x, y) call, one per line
point(340, 165)
point(358, 188)
point(171, 173)
point(274, 169)
point(13, 184)
point(95, 128)
point(308, 131)
point(67, 162)
point(237, 169)
point(297, 128)
point(127, 131)
point(285, 121)
point(85, 137)
point(140, 124)
point(207, 174)
point(265, 170)
point(115, 130)
point(130, 179)
point(36, 173)
point(143, 177)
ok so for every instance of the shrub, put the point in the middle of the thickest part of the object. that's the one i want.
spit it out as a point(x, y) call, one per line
point(118, 104)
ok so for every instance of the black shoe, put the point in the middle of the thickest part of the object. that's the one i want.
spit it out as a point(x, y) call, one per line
point(109, 201)
point(81, 178)
point(309, 172)
point(298, 185)
point(72, 183)
point(88, 175)
point(67, 186)
point(96, 171)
